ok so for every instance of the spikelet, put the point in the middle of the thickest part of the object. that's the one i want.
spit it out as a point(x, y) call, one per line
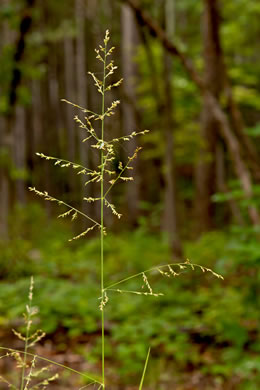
point(103, 301)
point(90, 199)
point(112, 208)
point(83, 233)
point(98, 83)
point(66, 214)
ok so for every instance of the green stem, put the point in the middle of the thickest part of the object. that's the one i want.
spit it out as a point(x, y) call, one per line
point(102, 226)
point(144, 370)
point(26, 346)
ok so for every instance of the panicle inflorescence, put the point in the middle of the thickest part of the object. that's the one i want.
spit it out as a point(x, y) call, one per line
point(105, 172)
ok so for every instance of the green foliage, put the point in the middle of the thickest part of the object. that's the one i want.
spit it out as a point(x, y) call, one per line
point(236, 193)
point(254, 131)
point(197, 322)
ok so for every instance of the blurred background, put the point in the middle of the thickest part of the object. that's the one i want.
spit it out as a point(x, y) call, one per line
point(191, 74)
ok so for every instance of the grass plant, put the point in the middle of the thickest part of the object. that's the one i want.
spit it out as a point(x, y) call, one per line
point(30, 377)
point(107, 176)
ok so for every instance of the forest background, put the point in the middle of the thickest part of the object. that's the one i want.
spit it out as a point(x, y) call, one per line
point(191, 74)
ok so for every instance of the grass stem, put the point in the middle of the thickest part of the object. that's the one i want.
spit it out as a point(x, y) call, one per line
point(144, 370)
point(102, 223)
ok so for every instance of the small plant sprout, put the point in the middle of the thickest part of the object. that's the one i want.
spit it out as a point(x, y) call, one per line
point(107, 175)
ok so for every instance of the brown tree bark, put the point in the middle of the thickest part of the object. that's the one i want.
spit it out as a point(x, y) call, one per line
point(81, 88)
point(152, 68)
point(170, 217)
point(5, 150)
point(19, 153)
point(54, 94)
point(36, 119)
point(204, 173)
point(24, 28)
point(4, 178)
point(154, 180)
point(129, 40)
point(70, 94)
point(205, 169)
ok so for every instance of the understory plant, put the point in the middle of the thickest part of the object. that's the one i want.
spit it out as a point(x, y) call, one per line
point(107, 174)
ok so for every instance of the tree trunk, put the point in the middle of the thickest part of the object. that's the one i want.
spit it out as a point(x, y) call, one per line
point(129, 40)
point(4, 179)
point(205, 173)
point(19, 153)
point(170, 217)
point(69, 110)
point(5, 154)
point(205, 169)
point(24, 28)
point(37, 117)
point(81, 83)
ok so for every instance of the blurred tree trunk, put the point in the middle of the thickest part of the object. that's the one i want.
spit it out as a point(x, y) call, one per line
point(54, 95)
point(81, 82)
point(152, 68)
point(19, 153)
point(153, 179)
point(70, 84)
point(4, 150)
point(13, 139)
point(46, 114)
point(170, 217)
point(215, 78)
point(37, 126)
point(129, 42)
point(4, 177)
point(205, 173)
point(205, 169)
point(24, 28)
